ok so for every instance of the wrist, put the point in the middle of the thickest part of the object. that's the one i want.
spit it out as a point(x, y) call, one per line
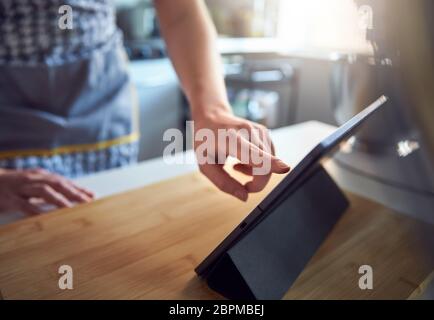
point(208, 109)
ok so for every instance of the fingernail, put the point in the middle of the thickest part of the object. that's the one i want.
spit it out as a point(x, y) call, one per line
point(241, 195)
point(89, 192)
point(85, 198)
point(283, 166)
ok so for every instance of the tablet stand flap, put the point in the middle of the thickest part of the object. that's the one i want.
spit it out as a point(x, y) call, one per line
point(268, 259)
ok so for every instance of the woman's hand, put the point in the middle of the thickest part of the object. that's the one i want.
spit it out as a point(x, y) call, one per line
point(251, 145)
point(20, 189)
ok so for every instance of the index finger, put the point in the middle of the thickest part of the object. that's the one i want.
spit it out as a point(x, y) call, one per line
point(258, 182)
point(246, 149)
point(223, 181)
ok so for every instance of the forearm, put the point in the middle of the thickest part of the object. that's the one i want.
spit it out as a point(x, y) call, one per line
point(191, 43)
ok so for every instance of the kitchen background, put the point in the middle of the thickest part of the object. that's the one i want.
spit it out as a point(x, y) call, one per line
point(279, 56)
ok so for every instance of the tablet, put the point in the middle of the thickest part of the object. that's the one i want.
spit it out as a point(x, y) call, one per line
point(290, 183)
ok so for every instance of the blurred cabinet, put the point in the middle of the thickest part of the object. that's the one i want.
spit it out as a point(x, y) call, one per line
point(160, 103)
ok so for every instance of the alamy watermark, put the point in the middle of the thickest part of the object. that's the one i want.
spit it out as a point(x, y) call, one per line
point(366, 281)
point(66, 280)
point(66, 19)
point(366, 17)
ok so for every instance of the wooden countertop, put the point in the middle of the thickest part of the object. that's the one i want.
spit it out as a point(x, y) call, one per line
point(144, 244)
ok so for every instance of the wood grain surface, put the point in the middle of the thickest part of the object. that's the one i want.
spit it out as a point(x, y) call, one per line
point(145, 244)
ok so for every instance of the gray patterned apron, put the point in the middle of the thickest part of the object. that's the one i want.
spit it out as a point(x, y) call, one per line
point(66, 101)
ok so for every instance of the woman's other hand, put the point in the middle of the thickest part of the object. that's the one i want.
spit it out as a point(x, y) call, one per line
point(26, 190)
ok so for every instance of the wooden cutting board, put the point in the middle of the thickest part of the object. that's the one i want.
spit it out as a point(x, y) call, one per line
point(145, 244)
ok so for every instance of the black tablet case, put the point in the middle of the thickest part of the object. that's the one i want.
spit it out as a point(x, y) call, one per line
point(269, 258)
